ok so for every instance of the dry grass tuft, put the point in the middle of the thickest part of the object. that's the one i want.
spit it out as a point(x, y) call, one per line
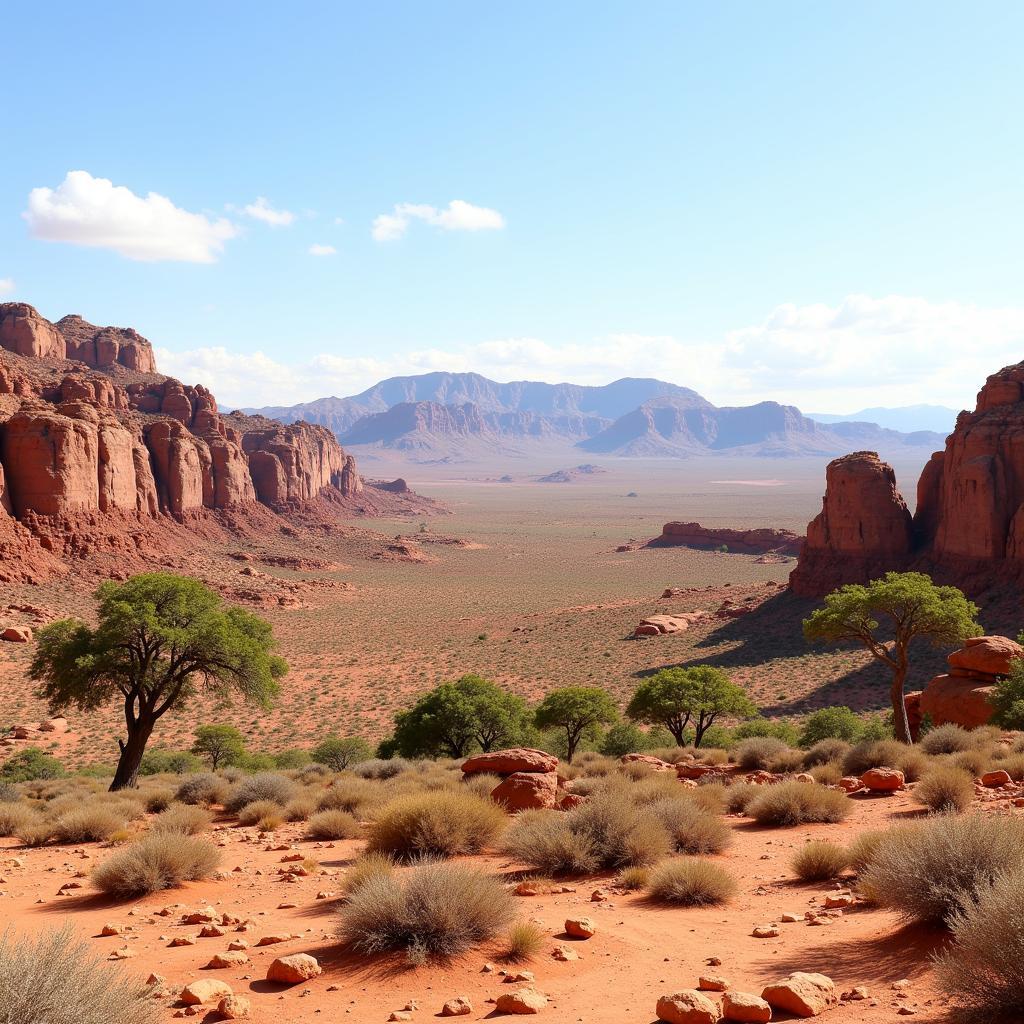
point(369, 865)
point(266, 787)
point(945, 789)
point(333, 825)
point(523, 941)
point(183, 819)
point(818, 860)
point(204, 788)
point(690, 883)
point(154, 863)
point(691, 829)
point(437, 824)
point(88, 824)
point(798, 803)
point(758, 752)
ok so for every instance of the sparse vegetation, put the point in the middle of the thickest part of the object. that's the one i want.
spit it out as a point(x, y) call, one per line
point(818, 860)
point(946, 789)
point(690, 882)
point(524, 941)
point(798, 803)
point(440, 824)
point(332, 825)
point(156, 862)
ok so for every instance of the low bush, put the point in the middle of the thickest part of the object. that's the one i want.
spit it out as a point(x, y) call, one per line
point(633, 878)
point(438, 824)
point(828, 774)
point(30, 765)
point(983, 968)
point(825, 751)
point(885, 754)
point(88, 824)
point(798, 803)
point(157, 799)
point(369, 865)
point(690, 828)
point(690, 883)
point(862, 848)
point(35, 832)
point(301, 808)
point(757, 753)
point(156, 862)
point(945, 789)
point(481, 783)
point(739, 796)
point(435, 910)
point(54, 978)
point(183, 819)
point(266, 815)
point(381, 768)
point(946, 739)
point(524, 941)
point(332, 825)
point(352, 794)
point(204, 788)
point(974, 762)
point(264, 786)
point(15, 817)
point(929, 871)
point(817, 861)
point(786, 762)
point(1012, 764)
point(834, 723)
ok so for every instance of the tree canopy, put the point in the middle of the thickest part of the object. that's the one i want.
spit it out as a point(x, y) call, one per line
point(341, 752)
point(160, 641)
point(677, 698)
point(221, 745)
point(455, 718)
point(886, 616)
point(577, 710)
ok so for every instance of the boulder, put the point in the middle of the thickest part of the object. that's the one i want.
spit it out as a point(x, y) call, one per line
point(580, 927)
point(505, 762)
point(17, 634)
point(745, 1008)
point(460, 1006)
point(207, 990)
point(234, 1007)
point(990, 655)
point(521, 1001)
point(999, 777)
point(290, 970)
point(654, 763)
point(882, 780)
point(687, 1007)
point(957, 700)
point(803, 995)
point(522, 791)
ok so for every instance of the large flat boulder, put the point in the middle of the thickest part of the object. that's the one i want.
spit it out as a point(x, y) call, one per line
point(515, 759)
point(991, 655)
point(957, 700)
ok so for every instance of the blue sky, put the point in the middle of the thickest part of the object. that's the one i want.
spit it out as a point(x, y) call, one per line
point(815, 202)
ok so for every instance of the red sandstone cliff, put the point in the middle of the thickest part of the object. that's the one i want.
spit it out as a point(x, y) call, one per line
point(94, 460)
point(968, 528)
point(757, 541)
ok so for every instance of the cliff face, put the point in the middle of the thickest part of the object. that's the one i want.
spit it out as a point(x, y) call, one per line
point(968, 528)
point(77, 445)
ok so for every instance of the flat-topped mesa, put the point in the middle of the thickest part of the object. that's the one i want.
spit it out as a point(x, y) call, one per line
point(864, 527)
point(106, 346)
point(754, 542)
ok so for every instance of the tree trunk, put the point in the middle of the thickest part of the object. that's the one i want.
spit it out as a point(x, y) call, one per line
point(900, 723)
point(127, 774)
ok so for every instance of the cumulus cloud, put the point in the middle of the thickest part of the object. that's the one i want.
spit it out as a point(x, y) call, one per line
point(6, 285)
point(458, 215)
point(262, 210)
point(862, 352)
point(322, 250)
point(95, 212)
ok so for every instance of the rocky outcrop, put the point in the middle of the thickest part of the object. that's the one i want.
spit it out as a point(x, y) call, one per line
point(92, 460)
point(751, 542)
point(864, 527)
point(968, 527)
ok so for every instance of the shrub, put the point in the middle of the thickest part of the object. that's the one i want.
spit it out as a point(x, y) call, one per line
point(927, 871)
point(439, 824)
point(885, 754)
point(169, 762)
point(825, 751)
point(37, 831)
point(332, 825)
point(14, 817)
point(862, 848)
point(480, 783)
point(983, 969)
point(87, 824)
point(974, 762)
point(381, 768)
point(787, 761)
point(154, 863)
point(183, 819)
point(30, 764)
point(827, 774)
point(1012, 764)
point(625, 738)
point(690, 883)
point(946, 789)
point(739, 796)
point(204, 788)
point(798, 803)
point(350, 794)
point(609, 831)
point(55, 978)
point(523, 941)
point(436, 910)
point(157, 799)
point(780, 730)
point(633, 878)
point(339, 753)
point(757, 753)
point(835, 723)
point(946, 739)
point(369, 865)
point(264, 786)
point(691, 829)
point(301, 808)
point(817, 860)
point(267, 815)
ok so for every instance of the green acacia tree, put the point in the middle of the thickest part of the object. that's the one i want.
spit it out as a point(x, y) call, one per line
point(161, 641)
point(221, 745)
point(886, 617)
point(677, 698)
point(578, 711)
point(341, 752)
point(456, 717)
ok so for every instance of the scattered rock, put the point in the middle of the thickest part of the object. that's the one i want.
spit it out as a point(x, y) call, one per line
point(234, 1007)
point(580, 927)
point(805, 995)
point(290, 970)
point(687, 1007)
point(883, 780)
point(207, 990)
point(745, 1008)
point(515, 759)
point(457, 1007)
point(522, 1000)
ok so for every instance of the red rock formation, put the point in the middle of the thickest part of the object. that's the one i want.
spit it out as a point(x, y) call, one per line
point(864, 527)
point(24, 332)
point(753, 542)
point(105, 346)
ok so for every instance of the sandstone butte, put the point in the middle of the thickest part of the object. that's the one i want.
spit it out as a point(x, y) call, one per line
point(752, 542)
point(968, 528)
point(99, 452)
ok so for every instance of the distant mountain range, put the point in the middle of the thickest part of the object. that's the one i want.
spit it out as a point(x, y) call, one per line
point(905, 418)
point(461, 416)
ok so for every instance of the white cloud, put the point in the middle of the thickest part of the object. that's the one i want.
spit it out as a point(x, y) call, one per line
point(94, 212)
point(6, 285)
point(861, 352)
point(262, 210)
point(322, 250)
point(457, 216)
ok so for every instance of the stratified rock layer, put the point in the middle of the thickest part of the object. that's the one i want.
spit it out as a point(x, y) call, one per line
point(757, 542)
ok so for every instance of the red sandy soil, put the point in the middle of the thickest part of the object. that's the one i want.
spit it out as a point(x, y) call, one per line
point(638, 953)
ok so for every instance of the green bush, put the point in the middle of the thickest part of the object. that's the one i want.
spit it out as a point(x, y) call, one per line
point(834, 723)
point(339, 753)
point(758, 726)
point(29, 765)
point(169, 762)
